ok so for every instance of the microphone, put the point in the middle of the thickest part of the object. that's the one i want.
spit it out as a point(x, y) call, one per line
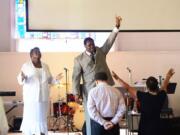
point(128, 69)
point(65, 68)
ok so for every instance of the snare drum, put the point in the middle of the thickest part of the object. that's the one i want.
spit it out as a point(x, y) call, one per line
point(79, 117)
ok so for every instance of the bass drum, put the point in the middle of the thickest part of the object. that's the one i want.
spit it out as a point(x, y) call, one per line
point(79, 117)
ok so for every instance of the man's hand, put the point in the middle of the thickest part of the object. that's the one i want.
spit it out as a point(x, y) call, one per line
point(77, 98)
point(118, 21)
point(108, 125)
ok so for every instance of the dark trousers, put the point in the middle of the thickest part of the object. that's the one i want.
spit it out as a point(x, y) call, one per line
point(97, 129)
point(84, 128)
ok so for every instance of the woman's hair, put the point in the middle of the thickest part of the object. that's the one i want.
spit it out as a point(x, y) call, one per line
point(35, 50)
point(152, 84)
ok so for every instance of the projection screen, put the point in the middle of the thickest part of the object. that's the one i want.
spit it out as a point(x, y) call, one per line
point(99, 15)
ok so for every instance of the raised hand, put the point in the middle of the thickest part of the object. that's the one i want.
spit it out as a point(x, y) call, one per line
point(170, 73)
point(118, 21)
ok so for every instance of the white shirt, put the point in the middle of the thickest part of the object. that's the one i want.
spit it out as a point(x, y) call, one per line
point(105, 101)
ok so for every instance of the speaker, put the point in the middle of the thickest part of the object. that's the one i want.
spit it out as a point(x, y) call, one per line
point(17, 123)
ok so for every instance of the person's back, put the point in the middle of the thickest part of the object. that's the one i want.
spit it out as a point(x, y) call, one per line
point(106, 98)
point(150, 108)
point(105, 106)
point(150, 103)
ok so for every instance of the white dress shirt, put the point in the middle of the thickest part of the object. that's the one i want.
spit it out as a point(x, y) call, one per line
point(105, 101)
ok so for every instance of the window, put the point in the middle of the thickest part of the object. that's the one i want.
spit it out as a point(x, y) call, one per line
point(50, 41)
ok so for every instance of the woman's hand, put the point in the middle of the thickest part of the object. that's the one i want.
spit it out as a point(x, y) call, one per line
point(170, 73)
point(59, 76)
point(115, 75)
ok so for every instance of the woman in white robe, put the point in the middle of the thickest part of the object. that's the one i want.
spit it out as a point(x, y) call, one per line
point(35, 77)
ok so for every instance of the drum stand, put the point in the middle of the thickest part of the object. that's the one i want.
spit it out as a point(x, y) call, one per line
point(56, 119)
point(69, 118)
point(63, 121)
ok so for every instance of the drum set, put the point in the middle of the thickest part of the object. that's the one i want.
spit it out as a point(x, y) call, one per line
point(67, 116)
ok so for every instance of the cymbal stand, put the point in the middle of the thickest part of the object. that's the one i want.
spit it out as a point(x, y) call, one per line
point(58, 117)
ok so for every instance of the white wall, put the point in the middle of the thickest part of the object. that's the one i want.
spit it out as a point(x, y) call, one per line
point(143, 64)
point(5, 25)
point(148, 41)
point(7, 42)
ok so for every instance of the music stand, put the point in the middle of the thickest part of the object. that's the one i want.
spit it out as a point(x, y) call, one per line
point(171, 88)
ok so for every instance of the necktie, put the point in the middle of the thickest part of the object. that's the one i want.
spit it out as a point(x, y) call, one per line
point(92, 58)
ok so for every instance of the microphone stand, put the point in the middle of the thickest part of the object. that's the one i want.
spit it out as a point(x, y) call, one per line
point(67, 118)
point(127, 111)
point(160, 80)
point(131, 83)
point(128, 102)
point(130, 76)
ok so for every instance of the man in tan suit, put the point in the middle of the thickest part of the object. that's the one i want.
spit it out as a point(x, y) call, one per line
point(88, 63)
